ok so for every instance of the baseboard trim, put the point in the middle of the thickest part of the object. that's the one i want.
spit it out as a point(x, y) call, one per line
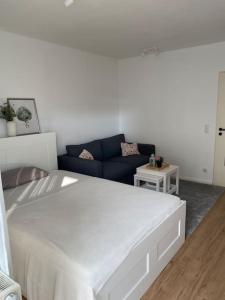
point(205, 181)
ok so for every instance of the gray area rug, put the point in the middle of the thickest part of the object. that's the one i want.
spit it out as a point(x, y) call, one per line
point(200, 198)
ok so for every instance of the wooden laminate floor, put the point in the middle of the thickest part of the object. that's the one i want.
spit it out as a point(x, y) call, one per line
point(197, 272)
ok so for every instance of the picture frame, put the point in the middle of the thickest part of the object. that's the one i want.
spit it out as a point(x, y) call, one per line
point(27, 121)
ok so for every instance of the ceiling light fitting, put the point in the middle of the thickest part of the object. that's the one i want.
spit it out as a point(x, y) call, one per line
point(154, 50)
point(67, 3)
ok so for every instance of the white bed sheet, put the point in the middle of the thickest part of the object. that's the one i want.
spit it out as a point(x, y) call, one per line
point(70, 232)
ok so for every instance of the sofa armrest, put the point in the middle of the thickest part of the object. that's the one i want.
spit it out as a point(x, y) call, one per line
point(79, 165)
point(146, 149)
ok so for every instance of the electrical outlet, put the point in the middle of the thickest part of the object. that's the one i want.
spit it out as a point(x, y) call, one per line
point(206, 128)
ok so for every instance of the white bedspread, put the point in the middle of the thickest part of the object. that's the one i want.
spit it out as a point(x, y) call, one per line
point(68, 238)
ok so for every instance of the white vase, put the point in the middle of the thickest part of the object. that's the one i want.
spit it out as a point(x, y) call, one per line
point(11, 128)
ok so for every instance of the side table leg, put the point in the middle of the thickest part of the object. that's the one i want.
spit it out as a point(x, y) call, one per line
point(136, 181)
point(168, 184)
point(164, 184)
point(177, 181)
point(158, 186)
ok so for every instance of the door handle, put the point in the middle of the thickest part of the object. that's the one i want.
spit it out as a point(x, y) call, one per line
point(221, 129)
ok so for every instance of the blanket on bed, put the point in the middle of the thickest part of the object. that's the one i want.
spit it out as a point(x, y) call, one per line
point(70, 232)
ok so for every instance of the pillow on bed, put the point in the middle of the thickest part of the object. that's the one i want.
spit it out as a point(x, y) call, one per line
point(86, 155)
point(129, 149)
point(19, 176)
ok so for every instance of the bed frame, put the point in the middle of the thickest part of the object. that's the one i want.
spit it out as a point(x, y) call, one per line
point(29, 150)
point(142, 266)
point(136, 274)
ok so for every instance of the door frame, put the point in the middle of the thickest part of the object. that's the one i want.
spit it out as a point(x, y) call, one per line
point(216, 126)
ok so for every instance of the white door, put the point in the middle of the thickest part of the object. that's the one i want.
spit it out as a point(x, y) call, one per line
point(219, 160)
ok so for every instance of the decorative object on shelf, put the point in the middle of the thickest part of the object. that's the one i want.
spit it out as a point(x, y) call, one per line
point(26, 115)
point(11, 128)
point(7, 113)
point(159, 161)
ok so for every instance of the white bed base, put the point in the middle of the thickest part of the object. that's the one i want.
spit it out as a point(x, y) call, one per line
point(142, 266)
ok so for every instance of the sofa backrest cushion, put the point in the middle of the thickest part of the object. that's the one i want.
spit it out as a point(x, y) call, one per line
point(94, 148)
point(112, 146)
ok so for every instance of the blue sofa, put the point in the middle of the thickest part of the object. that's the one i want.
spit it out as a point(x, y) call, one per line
point(108, 161)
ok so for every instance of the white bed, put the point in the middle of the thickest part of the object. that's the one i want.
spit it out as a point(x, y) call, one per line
point(78, 237)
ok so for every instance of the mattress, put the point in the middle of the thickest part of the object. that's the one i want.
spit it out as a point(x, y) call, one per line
point(70, 232)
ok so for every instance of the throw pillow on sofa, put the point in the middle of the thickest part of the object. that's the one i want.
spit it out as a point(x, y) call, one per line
point(129, 149)
point(86, 155)
point(94, 147)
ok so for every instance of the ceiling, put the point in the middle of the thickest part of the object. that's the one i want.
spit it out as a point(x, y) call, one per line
point(117, 28)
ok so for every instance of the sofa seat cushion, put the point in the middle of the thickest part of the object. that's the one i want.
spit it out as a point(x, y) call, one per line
point(134, 161)
point(112, 146)
point(115, 171)
point(94, 148)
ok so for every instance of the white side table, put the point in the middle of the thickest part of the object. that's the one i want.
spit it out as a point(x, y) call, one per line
point(156, 180)
point(157, 176)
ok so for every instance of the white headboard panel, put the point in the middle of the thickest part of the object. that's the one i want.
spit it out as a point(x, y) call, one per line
point(37, 150)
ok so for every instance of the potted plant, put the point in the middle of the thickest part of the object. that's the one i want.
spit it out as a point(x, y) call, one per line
point(7, 113)
point(159, 161)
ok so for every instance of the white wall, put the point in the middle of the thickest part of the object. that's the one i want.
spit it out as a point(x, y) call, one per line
point(75, 92)
point(165, 99)
point(168, 99)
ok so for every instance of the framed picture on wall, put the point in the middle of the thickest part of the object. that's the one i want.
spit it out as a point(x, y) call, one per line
point(27, 121)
